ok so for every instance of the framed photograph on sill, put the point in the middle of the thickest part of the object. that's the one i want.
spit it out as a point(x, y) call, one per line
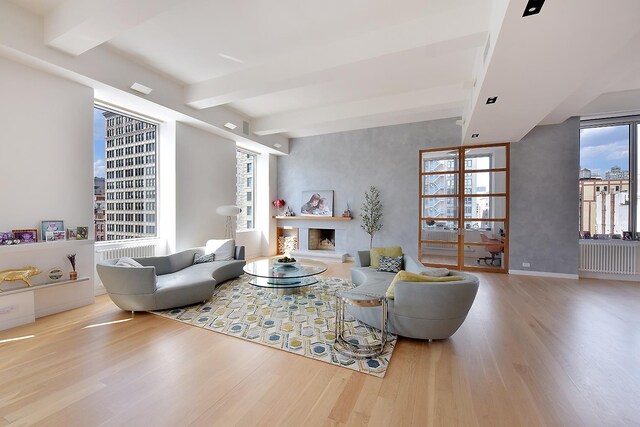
point(317, 203)
point(26, 236)
point(54, 236)
point(51, 226)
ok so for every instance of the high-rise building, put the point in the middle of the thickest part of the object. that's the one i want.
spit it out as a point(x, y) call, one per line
point(130, 158)
point(245, 181)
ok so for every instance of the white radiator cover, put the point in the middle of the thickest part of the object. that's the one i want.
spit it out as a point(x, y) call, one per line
point(133, 251)
point(609, 256)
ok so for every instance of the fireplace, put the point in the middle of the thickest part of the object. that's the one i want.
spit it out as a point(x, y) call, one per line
point(322, 239)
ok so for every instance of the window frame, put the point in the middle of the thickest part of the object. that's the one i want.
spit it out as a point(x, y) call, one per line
point(119, 141)
point(633, 122)
point(249, 174)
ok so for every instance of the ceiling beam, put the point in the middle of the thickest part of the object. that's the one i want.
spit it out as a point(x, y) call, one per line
point(438, 33)
point(76, 26)
point(539, 61)
point(428, 98)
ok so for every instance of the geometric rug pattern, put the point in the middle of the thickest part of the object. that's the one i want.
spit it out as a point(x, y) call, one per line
point(302, 322)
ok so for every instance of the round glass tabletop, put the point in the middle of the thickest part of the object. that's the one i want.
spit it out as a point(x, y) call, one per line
point(269, 273)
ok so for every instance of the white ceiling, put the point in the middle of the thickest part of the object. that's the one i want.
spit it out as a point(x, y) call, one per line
point(297, 68)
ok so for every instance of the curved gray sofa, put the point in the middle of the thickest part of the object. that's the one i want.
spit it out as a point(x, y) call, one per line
point(425, 310)
point(167, 281)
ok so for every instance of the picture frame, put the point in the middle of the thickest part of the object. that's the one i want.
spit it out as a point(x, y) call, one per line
point(72, 233)
point(585, 235)
point(317, 203)
point(54, 236)
point(82, 233)
point(50, 226)
point(627, 235)
point(26, 236)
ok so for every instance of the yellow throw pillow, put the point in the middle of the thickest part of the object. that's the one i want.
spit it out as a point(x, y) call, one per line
point(376, 253)
point(405, 276)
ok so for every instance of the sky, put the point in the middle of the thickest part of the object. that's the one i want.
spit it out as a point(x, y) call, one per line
point(604, 147)
point(98, 143)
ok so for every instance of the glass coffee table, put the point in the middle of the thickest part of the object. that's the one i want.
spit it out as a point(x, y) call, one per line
point(268, 273)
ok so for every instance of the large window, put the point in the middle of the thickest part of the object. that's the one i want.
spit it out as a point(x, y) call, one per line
point(124, 180)
point(245, 179)
point(608, 200)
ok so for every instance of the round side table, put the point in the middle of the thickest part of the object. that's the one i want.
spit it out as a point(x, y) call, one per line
point(357, 349)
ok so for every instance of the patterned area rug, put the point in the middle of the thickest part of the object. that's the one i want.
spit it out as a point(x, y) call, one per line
point(302, 323)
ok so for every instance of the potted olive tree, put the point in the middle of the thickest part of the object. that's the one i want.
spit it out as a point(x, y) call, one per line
point(371, 213)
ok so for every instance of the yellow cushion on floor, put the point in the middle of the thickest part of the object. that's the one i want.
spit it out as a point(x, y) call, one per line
point(405, 276)
point(376, 253)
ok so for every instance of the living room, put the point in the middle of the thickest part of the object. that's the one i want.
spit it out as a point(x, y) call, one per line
point(332, 99)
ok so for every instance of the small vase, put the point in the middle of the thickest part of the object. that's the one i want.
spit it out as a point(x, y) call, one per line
point(73, 275)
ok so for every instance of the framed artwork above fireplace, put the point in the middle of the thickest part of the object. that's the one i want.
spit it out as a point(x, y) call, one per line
point(317, 203)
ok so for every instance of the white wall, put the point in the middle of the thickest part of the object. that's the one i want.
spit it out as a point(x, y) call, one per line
point(46, 163)
point(205, 180)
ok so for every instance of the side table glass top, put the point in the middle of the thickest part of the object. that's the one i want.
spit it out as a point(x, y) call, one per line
point(268, 274)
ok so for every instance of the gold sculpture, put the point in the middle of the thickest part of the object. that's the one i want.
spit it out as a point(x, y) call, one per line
point(23, 274)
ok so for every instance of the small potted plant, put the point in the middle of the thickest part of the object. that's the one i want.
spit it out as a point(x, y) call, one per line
point(73, 275)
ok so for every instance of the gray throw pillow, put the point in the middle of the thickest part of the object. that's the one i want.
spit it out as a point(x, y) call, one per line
point(197, 259)
point(435, 272)
point(128, 262)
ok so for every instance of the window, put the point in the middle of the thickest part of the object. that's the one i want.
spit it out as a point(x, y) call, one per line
point(110, 178)
point(245, 179)
point(608, 207)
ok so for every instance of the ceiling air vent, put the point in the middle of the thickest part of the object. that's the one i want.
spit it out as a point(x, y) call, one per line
point(245, 127)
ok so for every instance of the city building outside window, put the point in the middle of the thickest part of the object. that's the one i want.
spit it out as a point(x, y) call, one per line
point(136, 218)
point(245, 179)
point(608, 205)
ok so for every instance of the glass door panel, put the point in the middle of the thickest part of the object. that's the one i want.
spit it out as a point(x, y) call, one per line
point(484, 247)
point(482, 158)
point(440, 176)
point(439, 161)
point(440, 207)
point(440, 184)
point(479, 209)
point(488, 182)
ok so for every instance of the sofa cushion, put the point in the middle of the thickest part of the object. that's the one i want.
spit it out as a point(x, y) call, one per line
point(390, 264)
point(223, 249)
point(376, 253)
point(405, 276)
point(127, 262)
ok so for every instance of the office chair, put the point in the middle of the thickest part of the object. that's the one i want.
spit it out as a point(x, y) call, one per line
point(495, 247)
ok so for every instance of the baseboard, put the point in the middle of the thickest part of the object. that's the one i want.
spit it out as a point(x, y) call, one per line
point(544, 274)
point(606, 276)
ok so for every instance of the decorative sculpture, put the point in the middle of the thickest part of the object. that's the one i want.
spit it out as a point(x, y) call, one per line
point(23, 274)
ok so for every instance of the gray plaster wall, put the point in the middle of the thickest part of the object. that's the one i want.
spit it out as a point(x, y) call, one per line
point(544, 199)
point(350, 162)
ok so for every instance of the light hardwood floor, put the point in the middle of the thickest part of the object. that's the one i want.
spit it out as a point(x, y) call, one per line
point(533, 351)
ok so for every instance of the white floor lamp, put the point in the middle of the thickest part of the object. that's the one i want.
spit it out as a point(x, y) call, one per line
point(231, 212)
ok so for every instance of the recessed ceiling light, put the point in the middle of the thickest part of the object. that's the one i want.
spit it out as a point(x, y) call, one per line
point(141, 88)
point(492, 100)
point(277, 145)
point(533, 7)
point(231, 58)
point(475, 135)
point(230, 126)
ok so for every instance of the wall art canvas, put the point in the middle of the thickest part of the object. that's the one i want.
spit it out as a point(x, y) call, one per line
point(317, 203)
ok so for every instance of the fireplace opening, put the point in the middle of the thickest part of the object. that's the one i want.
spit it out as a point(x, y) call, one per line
point(322, 239)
